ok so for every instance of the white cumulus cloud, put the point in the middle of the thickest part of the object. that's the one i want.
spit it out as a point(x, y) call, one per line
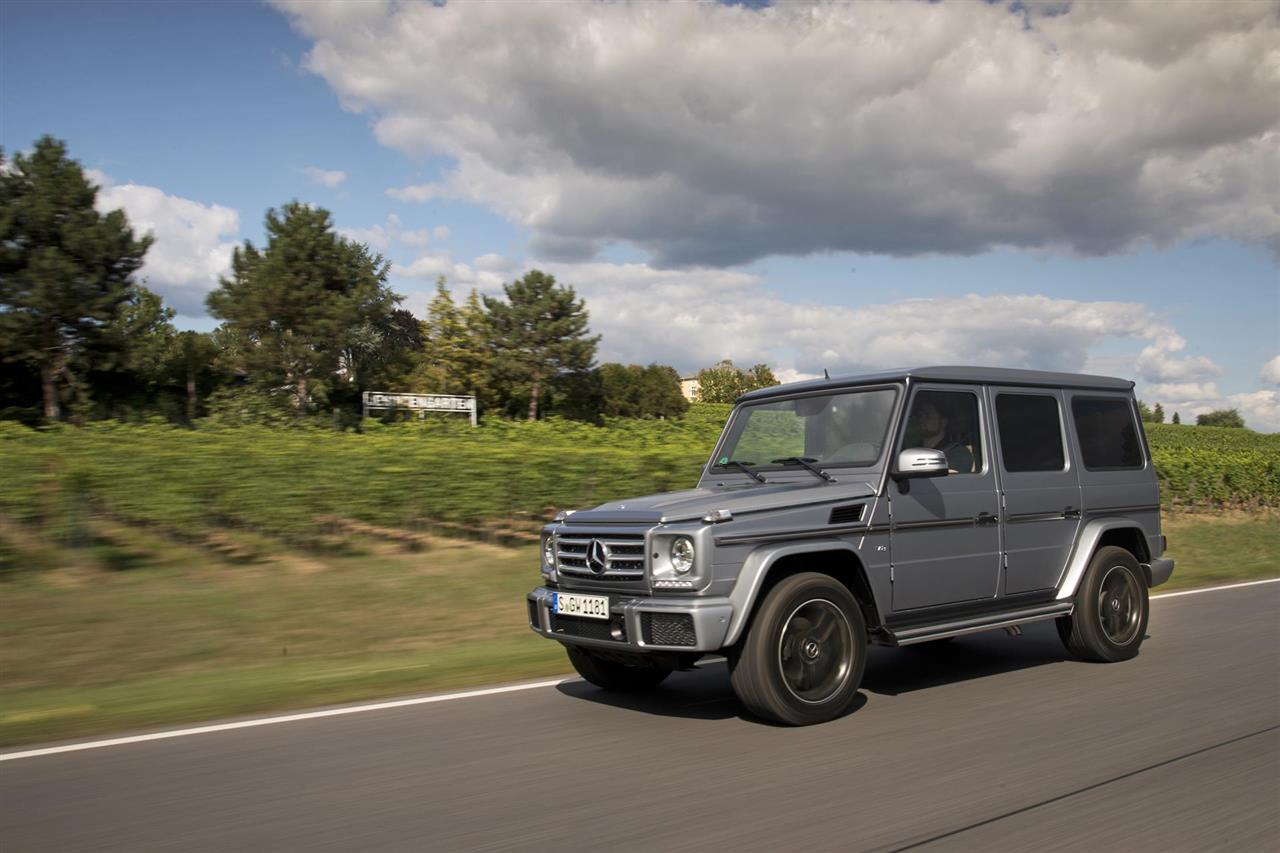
point(1271, 371)
point(325, 177)
point(190, 251)
point(711, 135)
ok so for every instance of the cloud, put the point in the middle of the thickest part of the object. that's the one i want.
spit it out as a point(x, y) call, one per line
point(711, 135)
point(1271, 371)
point(419, 193)
point(382, 237)
point(325, 177)
point(1260, 409)
point(189, 253)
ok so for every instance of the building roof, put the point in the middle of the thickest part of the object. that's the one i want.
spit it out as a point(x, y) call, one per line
point(950, 373)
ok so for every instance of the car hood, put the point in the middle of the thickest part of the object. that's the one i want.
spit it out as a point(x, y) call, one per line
point(695, 503)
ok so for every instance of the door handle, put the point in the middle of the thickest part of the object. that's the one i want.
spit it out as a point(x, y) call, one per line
point(1071, 512)
point(986, 518)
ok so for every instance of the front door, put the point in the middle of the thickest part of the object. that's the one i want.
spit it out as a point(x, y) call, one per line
point(945, 533)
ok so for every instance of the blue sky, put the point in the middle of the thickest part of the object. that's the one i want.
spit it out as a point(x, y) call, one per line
point(199, 116)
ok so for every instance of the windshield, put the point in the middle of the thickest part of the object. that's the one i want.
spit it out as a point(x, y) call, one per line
point(846, 429)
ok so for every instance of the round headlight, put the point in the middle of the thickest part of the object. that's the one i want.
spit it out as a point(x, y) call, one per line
point(682, 555)
point(549, 552)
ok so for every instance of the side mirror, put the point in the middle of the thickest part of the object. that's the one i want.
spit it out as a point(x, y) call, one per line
point(920, 462)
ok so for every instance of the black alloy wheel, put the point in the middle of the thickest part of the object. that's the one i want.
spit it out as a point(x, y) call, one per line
point(1109, 621)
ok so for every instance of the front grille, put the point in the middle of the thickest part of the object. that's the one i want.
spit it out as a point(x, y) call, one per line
point(668, 629)
point(589, 629)
point(604, 557)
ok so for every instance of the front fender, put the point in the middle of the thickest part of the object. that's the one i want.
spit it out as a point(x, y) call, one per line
point(756, 567)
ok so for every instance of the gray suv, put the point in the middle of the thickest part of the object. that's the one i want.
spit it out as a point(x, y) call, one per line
point(892, 508)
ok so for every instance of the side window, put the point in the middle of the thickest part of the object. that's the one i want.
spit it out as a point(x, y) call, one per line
point(947, 421)
point(1030, 433)
point(1108, 435)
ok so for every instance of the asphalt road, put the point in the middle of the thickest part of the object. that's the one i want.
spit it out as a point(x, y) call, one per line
point(988, 742)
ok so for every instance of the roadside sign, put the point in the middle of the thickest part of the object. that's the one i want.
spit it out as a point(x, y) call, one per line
point(384, 401)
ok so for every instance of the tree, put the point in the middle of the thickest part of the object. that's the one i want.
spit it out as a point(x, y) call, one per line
point(300, 302)
point(143, 333)
point(1221, 418)
point(192, 355)
point(456, 354)
point(1157, 414)
point(64, 267)
point(539, 335)
point(381, 351)
point(1144, 412)
point(725, 383)
point(1177, 419)
point(632, 391)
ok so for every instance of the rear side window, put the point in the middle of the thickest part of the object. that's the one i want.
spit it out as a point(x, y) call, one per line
point(1108, 435)
point(1030, 432)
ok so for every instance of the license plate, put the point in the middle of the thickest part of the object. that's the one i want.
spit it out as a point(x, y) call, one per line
point(586, 606)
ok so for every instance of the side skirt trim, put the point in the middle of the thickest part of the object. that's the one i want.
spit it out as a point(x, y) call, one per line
point(909, 636)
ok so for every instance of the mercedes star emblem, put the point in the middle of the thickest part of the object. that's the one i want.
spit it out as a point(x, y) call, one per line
point(598, 557)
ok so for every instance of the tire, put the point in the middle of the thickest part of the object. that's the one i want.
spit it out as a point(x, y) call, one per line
point(1111, 609)
point(609, 672)
point(778, 675)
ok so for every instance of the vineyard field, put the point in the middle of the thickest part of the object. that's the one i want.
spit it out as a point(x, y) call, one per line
point(291, 483)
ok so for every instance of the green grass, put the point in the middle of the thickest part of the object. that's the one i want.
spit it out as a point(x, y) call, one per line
point(181, 636)
point(131, 630)
point(1212, 549)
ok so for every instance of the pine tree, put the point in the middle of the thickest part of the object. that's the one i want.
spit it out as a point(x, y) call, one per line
point(539, 334)
point(1157, 414)
point(300, 302)
point(64, 267)
point(1176, 418)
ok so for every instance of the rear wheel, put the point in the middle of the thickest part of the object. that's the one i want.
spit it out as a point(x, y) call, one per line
point(803, 657)
point(617, 672)
point(1111, 609)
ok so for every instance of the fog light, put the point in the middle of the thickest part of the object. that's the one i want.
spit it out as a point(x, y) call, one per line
point(617, 628)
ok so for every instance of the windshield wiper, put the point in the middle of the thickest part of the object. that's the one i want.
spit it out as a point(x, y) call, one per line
point(805, 462)
point(746, 468)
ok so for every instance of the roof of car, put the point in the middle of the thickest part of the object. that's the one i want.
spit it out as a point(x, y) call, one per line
point(950, 373)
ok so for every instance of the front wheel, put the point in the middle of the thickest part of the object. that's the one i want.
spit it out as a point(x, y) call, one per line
point(616, 672)
point(803, 657)
point(1109, 621)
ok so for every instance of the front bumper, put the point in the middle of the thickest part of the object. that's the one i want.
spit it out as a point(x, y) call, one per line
point(637, 615)
point(1160, 571)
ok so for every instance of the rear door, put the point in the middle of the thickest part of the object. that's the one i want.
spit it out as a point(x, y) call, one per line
point(945, 539)
point(1040, 488)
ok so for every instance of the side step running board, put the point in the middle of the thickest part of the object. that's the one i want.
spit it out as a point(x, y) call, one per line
point(924, 633)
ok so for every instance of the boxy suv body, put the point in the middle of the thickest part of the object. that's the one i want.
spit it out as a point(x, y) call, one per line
point(893, 508)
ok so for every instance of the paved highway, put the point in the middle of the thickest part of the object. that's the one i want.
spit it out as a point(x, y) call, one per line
point(987, 742)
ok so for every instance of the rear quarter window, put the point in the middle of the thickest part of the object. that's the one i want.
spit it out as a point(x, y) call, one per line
point(1108, 433)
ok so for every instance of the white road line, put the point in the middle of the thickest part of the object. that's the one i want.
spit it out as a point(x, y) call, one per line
point(398, 703)
point(284, 718)
point(1213, 588)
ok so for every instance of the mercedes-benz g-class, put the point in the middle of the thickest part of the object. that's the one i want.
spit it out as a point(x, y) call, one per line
point(893, 508)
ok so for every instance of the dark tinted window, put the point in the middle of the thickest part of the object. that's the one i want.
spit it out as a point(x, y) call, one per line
point(946, 421)
point(1030, 432)
point(1107, 432)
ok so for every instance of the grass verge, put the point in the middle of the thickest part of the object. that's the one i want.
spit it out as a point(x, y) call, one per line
point(130, 630)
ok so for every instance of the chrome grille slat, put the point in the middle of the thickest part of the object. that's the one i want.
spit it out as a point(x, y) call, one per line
point(626, 555)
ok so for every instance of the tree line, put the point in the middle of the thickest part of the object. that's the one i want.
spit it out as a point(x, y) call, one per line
point(1217, 417)
point(307, 322)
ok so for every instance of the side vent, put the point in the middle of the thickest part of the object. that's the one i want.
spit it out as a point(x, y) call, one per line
point(846, 514)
